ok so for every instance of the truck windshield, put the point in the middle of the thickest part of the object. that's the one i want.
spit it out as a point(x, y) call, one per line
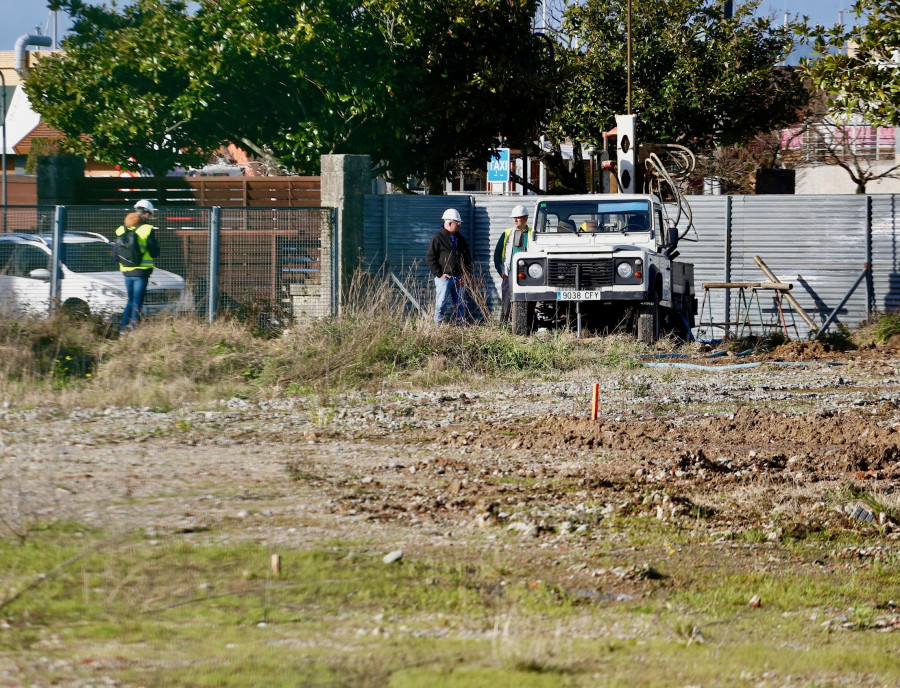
point(579, 217)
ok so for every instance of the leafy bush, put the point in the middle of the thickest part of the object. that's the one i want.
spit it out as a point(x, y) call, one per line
point(886, 327)
point(59, 350)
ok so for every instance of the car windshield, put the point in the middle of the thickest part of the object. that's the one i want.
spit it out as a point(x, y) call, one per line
point(94, 256)
point(591, 217)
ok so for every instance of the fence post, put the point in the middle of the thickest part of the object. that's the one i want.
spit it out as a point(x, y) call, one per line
point(870, 282)
point(384, 232)
point(335, 258)
point(471, 218)
point(57, 256)
point(214, 232)
point(346, 179)
point(728, 210)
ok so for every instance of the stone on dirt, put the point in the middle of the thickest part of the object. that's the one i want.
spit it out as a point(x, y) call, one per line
point(392, 557)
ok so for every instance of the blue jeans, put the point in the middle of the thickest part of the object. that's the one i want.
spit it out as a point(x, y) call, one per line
point(450, 300)
point(136, 287)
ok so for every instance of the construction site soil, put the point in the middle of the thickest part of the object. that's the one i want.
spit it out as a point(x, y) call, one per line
point(733, 457)
point(696, 439)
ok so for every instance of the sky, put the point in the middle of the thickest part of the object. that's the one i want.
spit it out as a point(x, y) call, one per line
point(819, 11)
point(19, 17)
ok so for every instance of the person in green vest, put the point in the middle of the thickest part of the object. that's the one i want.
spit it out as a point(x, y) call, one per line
point(137, 277)
point(503, 256)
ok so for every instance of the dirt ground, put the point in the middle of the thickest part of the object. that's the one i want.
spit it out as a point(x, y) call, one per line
point(452, 458)
point(763, 448)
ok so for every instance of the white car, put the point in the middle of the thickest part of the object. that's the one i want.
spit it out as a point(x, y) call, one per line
point(91, 280)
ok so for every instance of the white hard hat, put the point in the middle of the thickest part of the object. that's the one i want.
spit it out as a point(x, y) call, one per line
point(451, 214)
point(144, 205)
point(519, 211)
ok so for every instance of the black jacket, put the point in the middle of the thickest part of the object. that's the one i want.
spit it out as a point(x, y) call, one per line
point(443, 260)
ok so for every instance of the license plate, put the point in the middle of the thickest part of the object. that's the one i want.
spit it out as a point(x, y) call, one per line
point(575, 295)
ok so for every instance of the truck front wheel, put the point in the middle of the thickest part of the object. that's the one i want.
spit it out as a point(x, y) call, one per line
point(648, 323)
point(522, 317)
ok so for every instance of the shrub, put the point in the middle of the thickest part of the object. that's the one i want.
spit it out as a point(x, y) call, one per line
point(887, 326)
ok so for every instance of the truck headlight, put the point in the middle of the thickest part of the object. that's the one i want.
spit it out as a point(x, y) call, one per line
point(535, 271)
point(624, 270)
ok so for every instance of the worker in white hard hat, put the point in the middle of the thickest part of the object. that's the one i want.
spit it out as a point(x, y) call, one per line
point(136, 263)
point(503, 254)
point(450, 262)
point(145, 208)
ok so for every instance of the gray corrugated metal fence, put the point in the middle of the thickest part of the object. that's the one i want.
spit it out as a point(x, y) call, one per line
point(820, 244)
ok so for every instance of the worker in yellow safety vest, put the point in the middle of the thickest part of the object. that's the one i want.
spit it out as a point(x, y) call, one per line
point(137, 268)
point(503, 256)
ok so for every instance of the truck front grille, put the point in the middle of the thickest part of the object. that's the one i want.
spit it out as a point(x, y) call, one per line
point(594, 273)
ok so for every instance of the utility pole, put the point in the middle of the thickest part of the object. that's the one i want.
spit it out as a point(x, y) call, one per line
point(628, 50)
point(3, 141)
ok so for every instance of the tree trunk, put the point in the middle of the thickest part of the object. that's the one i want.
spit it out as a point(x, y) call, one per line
point(434, 181)
point(559, 167)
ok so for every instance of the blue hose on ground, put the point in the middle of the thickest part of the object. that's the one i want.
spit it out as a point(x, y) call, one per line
point(737, 366)
point(714, 354)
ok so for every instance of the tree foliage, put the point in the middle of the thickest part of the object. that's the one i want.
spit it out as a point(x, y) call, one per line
point(698, 78)
point(858, 66)
point(857, 72)
point(420, 85)
point(124, 81)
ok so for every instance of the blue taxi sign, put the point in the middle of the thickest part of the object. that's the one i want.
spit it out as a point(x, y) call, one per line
point(498, 166)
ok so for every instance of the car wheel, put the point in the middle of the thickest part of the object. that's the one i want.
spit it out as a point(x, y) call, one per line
point(76, 308)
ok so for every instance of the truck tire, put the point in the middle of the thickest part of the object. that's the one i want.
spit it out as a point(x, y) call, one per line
point(648, 324)
point(645, 328)
point(521, 317)
point(685, 316)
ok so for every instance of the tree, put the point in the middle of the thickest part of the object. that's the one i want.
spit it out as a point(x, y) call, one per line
point(698, 79)
point(859, 67)
point(850, 142)
point(858, 71)
point(420, 85)
point(124, 81)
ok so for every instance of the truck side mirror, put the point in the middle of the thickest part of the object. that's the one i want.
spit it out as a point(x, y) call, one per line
point(41, 274)
point(671, 236)
point(518, 238)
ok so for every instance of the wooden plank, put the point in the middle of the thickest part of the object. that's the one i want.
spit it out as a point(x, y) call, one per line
point(775, 286)
point(21, 190)
point(797, 307)
point(301, 192)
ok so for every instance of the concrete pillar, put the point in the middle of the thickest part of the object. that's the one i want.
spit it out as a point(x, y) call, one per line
point(57, 179)
point(346, 179)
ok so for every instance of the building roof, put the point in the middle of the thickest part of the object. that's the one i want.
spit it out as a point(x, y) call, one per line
point(8, 61)
point(9, 92)
point(21, 121)
point(41, 131)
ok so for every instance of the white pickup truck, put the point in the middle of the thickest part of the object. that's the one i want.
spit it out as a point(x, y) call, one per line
point(605, 262)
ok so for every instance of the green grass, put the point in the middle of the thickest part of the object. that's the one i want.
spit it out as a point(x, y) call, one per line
point(194, 612)
point(887, 326)
point(170, 361)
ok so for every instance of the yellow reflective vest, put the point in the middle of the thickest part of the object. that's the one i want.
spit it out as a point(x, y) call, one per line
point(145, 241)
